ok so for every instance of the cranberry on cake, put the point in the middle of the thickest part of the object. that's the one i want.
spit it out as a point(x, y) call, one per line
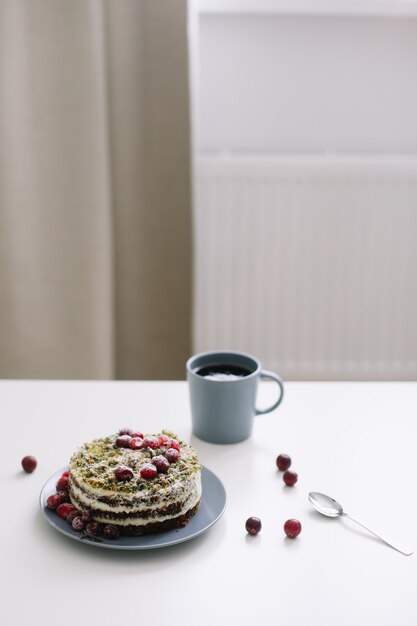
point(141, 484)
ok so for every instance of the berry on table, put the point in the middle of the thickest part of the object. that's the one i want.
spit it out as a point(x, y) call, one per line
point(123, 473)
point(283, 462)
point(148, 471)
point(292, 528)
point(29, 463)
point(253, 525)
point(290, 478)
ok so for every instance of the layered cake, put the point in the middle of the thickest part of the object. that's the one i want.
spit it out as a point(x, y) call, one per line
point(139, 483)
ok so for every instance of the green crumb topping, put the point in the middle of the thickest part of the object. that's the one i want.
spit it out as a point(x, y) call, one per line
point(94, 463)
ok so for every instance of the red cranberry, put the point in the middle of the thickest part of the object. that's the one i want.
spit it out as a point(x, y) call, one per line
point(172, 455)
point(151, 442)
point(53, 501)
point(72, 515)
point(136, 433)
point(148, 471)
point(161, 463)
point(94, 529)
point(173, 443)
point(64, 509)
point(64, 495)
point(290, 478)
point(123, 441)
point(62, 484)
point(125, 431)
point(283, 462)
point(253, 525)
point(123, 473)
point(111, 532)
point(136, 443)
point(86, 516)
point(29, 463)
point(162, 439)
point(292, 528)
point(78, 523)
point(65, 473)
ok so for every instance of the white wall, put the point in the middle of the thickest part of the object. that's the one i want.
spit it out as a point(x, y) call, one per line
point(282, 84)
point(314, 209)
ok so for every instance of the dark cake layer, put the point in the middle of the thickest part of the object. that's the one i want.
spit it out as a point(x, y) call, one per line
point(159, 527)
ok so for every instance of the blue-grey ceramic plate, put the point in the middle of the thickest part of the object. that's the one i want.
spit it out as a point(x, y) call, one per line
point(213, 504)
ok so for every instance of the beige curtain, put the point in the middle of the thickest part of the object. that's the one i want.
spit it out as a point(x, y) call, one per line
point(95, 249)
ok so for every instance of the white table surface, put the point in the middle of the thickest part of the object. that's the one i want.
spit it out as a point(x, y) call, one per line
point(354, 441)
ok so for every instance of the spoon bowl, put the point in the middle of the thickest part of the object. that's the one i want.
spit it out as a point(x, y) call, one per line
point(325, 504)
point(331, 508)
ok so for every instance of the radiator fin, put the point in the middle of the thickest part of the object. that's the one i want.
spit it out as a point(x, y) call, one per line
point(311, 264)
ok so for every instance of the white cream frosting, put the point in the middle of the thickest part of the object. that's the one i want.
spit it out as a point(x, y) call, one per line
point(190, 491)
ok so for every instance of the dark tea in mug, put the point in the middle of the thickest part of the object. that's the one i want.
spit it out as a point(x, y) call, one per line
point(223, 372)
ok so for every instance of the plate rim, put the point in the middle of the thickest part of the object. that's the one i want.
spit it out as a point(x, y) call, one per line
point(112, 544)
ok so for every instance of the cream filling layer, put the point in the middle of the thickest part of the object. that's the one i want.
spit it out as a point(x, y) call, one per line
point(191, 491)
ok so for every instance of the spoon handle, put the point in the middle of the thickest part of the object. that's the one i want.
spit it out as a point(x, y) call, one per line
point(379, 536)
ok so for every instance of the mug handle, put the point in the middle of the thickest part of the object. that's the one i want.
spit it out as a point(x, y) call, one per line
point(266, 375)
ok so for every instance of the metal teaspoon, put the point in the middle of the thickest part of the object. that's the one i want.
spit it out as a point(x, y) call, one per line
point(328, 506)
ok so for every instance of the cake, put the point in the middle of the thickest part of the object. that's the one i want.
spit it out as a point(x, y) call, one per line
point(140, 484)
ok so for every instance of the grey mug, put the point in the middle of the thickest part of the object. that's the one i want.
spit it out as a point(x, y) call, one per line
point(223, 388)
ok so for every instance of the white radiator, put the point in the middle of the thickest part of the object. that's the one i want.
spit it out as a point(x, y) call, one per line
point(309, 263)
